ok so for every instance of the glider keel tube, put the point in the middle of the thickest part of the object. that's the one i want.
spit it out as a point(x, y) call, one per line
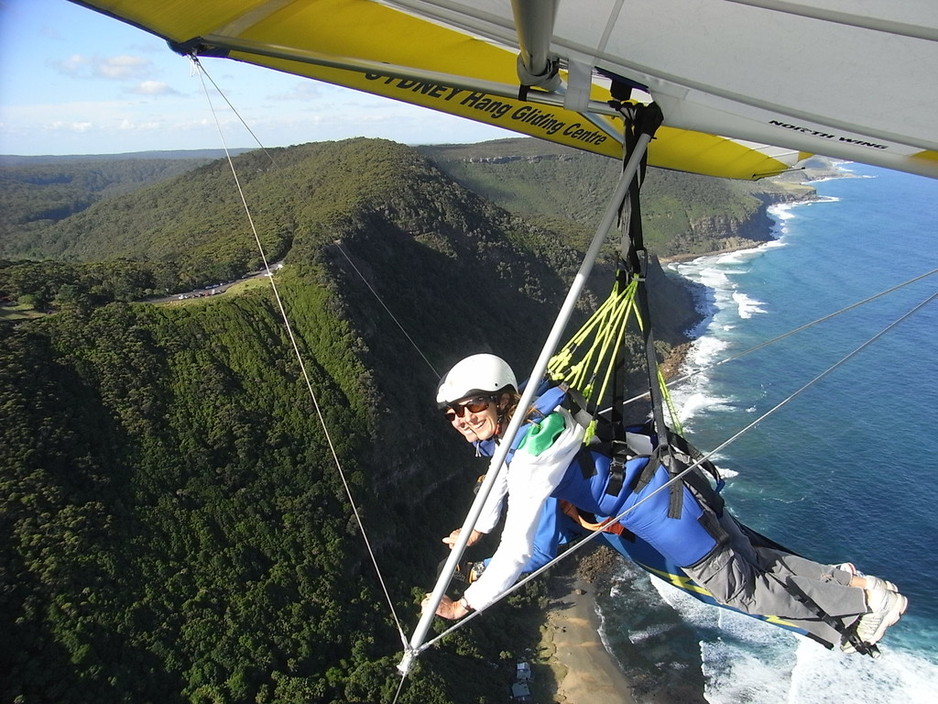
point(417, 641)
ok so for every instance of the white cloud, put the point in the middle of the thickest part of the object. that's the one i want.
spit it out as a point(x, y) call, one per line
point(66, 126)
point(153, 88)
point(110, 67)
point(305, 90)
point(74, 65)
point(136, 126)
point(122, 67)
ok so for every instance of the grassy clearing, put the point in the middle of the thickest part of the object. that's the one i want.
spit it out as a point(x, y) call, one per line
point(19, 312)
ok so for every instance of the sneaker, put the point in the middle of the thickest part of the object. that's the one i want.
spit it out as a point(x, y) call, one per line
point(871, 581)
point(848, 567)
point(885, 609)
point(868, 649)
point(879, 583)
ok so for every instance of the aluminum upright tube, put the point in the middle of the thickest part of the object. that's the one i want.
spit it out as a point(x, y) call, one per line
point(534, 20)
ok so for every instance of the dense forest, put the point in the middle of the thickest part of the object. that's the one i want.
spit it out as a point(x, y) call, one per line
point(175, 525)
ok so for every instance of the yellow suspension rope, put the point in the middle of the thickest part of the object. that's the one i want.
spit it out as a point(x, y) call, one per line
point(591, 351)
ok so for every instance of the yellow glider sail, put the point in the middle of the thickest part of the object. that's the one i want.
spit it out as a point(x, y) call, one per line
point(378, 49)
point(731, 76)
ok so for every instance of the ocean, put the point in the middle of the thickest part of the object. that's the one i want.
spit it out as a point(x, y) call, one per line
point(844, 470)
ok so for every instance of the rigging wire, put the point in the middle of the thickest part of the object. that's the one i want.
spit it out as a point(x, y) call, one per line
point(779, 338)
point(388, 310)
point(592, 536)
point(400, 687)
point(337, 243)
point(293, 342)
point(205, 75)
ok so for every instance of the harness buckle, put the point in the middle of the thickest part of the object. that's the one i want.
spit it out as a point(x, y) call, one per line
point(620, 455)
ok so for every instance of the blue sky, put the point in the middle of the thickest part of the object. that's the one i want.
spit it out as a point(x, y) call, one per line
point(76, 82)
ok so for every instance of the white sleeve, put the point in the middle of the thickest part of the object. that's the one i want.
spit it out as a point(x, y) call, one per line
point(530, 480)
point(492, 508)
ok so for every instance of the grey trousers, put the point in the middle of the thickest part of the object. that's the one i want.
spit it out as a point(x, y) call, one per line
point(752, 580)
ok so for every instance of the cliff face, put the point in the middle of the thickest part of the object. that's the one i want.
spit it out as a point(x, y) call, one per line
point(718, 233)
point(683, 214)
point(674, 301)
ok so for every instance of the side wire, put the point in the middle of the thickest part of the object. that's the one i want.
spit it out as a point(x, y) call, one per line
point(779, 338)
point(337, 243)
point(387, 310)
point(296, 350)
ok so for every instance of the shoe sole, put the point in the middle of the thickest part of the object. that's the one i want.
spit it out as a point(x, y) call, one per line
point(889, 619)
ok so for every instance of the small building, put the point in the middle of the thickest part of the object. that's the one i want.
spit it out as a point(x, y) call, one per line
point(520, 692)
point(523, 673)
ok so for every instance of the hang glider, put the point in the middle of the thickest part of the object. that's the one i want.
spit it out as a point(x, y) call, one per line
point(843, 78)
point(745, 89)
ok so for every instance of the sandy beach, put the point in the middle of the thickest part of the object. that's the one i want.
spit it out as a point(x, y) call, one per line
point(584, 670)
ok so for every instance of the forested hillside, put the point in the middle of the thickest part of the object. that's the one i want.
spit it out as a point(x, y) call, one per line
point(567, 190)
point(36, 192)
point(175, 528)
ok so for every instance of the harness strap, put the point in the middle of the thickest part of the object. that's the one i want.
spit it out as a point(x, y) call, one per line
point(848, 634)
point(620, 455)
point(609, 525)
point(579, 409)
point(686, 454)
point(636, 260)
point(584, 458)
point(675, 460)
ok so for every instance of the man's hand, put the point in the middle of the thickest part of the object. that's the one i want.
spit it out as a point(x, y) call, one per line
point(452, 537)
point(448, 609)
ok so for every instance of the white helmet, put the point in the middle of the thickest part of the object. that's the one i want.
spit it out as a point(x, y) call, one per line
point(480, 373)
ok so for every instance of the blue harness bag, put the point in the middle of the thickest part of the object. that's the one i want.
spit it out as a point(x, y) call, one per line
point(591, 485)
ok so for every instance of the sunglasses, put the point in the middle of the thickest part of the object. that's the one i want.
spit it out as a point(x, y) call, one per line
point(473, 405)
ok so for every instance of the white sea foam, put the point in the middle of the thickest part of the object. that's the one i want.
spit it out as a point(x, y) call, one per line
point(722, 307)
point(820, 676)
point(747, 661)
point(644, 634)
point(724, 472)
point(696, 402)
point(706, 351)
point(736, 675)
point(601, 630)
point(782, 211)
point(747, 306)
